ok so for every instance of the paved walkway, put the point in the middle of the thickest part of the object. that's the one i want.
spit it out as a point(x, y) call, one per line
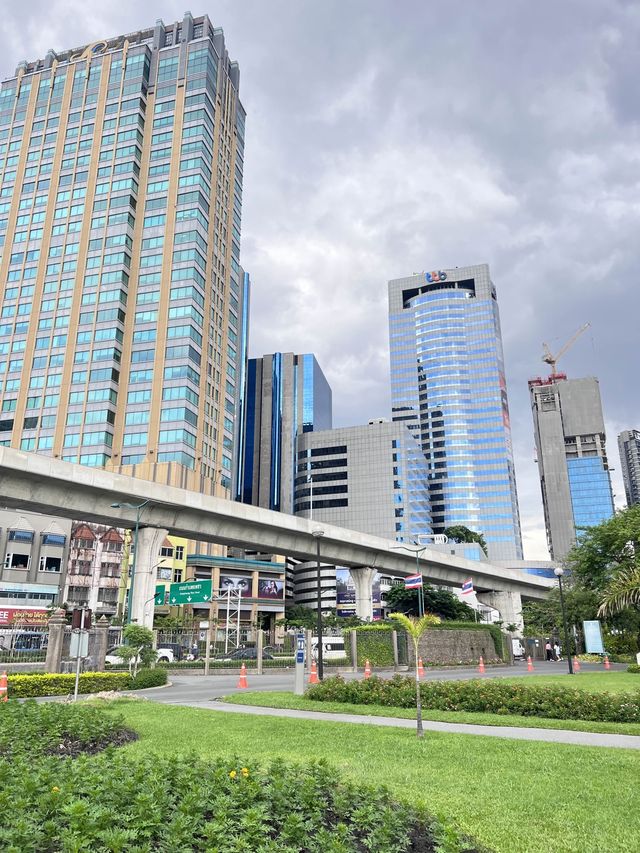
point(508, 732)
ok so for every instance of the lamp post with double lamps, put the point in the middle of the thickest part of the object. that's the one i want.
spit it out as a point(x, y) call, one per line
point(138, 508)
point(317, 535)
point(558, 573)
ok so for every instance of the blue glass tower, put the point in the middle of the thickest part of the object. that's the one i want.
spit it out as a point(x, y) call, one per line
point(286, 395)
point(448, 385)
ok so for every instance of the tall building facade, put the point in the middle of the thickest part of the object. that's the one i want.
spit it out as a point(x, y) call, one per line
point(372, 478)
point(448, 387)
point(572, 457)
point(121, 313)
point(629, 447)
point(287, 395)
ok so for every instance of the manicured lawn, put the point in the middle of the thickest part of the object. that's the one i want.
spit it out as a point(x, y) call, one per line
point(282, 699)
point(515, 797)
point(625, 682)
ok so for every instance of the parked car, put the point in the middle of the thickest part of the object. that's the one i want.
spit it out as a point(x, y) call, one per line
point(25, 641)
point(244, 654)
point(166, 654)
point(518, 649)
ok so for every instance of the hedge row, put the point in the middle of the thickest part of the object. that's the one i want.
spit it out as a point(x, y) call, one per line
point(634, 668)
point(493, 697)
point(23, 686)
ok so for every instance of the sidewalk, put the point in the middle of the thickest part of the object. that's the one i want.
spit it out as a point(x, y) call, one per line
point(508, 732)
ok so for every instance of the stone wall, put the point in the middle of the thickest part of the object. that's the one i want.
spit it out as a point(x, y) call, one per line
point(455, 647)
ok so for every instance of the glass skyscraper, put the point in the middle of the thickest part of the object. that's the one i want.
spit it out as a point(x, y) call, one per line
point(287, 395)
point(121, 314)
point(448, 386)
point(572, 457)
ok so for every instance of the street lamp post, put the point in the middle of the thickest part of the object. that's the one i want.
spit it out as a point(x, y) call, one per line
point(138, 508)
point(558, 573)
point(418, 550)
point(317, 535)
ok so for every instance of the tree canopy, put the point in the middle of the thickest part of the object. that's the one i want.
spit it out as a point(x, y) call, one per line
point(439, 601)
point(459, 533)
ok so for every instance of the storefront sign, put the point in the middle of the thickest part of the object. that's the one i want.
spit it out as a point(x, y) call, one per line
point(23, 616)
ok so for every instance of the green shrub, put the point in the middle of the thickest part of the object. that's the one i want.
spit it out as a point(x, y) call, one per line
point(492, 696)
point(22, 686)
point(590, 658)
point(634, 668)
point(149, 678)
point(118, 803)
point(33, 728)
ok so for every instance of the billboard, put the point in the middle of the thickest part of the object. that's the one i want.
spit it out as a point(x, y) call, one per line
point(270, 588)
point(236, 583)
point(346, 595)
point(23, 616)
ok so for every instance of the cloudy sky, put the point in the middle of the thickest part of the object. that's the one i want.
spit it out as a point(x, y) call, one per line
point(385, 137)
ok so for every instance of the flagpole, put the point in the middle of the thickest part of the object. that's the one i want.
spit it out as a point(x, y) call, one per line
point(421, 593)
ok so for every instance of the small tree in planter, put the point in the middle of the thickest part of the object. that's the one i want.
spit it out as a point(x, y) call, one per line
point(415, 628)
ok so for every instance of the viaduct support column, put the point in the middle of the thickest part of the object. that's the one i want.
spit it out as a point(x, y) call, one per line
point(363, 581)
point(508, 603)
point(150, 541)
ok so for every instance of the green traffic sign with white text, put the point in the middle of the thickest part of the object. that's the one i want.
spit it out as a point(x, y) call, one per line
point(159, 596)
point(190, 592)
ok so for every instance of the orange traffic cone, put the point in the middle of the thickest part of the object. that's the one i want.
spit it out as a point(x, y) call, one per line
point(529, 664)
point(242, 683)
point(420, 668)
point(313, 675)
point(607, 665)
point(4, 690)
point(367, 669)
point(576, 664)
point(481, 666)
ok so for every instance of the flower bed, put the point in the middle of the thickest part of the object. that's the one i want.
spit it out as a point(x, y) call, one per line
point(491, 696)
point(26, 685)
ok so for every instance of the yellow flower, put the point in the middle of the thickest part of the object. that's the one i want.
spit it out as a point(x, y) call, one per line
point(233, 774)
point(245, 772)
point(55, 789)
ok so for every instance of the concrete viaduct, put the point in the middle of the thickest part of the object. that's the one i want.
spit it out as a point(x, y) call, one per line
point(50, 486)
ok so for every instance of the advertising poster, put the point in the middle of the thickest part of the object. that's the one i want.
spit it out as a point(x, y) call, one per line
point(593, 637)
point(346, 595)
point(236, 583)
point(270, 588)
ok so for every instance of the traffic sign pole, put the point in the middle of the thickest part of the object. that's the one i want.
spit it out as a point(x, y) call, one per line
point(207, 653)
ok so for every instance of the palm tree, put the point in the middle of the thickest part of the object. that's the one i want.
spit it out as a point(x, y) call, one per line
point(623, 591)
point(415, 628)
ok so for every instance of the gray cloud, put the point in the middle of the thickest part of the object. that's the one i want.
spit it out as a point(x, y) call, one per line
point(387, 138)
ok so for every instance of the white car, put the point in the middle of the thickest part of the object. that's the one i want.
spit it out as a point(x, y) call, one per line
point(114, 659)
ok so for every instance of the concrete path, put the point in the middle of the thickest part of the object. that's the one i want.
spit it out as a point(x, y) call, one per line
point(508, 732)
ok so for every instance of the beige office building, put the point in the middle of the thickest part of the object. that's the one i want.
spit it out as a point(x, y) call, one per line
point(123, 304)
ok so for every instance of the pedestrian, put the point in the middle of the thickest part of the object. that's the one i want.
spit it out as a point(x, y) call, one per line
point(556, 651)
point(549, 650)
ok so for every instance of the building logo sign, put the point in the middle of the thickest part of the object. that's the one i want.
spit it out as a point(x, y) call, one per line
point(436, 275)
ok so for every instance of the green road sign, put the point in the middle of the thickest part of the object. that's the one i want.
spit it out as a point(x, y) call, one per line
point(158, 599)
point(190, 592)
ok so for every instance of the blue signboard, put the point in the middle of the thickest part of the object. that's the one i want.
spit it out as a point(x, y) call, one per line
point(300, 648)
point(593, 637)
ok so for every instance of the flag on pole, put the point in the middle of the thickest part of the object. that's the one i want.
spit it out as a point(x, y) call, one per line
point(467, 587)
point(413, 582)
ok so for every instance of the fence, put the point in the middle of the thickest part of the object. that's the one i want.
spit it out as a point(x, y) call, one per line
point(21, 644)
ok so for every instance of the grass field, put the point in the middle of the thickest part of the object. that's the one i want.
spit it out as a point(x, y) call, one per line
point(515, 797)
point(282, 699)
point(594, 682)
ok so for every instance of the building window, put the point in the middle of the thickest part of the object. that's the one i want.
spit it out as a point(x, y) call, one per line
point(166, 552)
point(17, 561)
point(20, 536)
point(54, 539)
point(50, 564)
point(179, 555)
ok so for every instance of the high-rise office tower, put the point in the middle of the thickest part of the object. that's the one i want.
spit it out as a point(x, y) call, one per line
point(448, 386)
point(121, 320)
point(572, 457)
point(372, 478)
point(286, 395)
point(629, 447)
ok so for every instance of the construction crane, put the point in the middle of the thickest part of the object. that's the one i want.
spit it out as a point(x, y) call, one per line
point(551, 359)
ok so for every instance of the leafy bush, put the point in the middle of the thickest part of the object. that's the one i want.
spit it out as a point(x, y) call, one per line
point(22, 686)
point(634, 668)
point(492, 696)
point(115, 802)
point(148, 678)
point(590, 658)
point(52, 728)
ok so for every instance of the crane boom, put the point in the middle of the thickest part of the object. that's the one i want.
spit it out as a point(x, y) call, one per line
point(551, 359)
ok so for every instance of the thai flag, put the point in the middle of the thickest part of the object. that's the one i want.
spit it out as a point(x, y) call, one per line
point(413, 582)
point(467, 587)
